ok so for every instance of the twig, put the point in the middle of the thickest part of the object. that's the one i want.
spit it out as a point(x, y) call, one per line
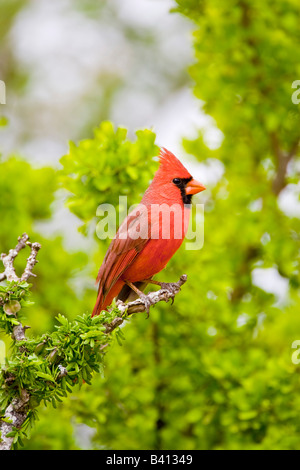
point(8, 260)
point(31, 261)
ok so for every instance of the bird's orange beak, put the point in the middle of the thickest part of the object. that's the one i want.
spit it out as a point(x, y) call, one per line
point(194, 187)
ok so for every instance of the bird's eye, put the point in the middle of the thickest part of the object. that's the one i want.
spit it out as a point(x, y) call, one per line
point(176, 181)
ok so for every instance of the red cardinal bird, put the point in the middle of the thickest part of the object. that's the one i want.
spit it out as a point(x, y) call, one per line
point(149, 236)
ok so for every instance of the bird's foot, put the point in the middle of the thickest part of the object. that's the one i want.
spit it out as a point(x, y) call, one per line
point(170, 287)
point(147, 302)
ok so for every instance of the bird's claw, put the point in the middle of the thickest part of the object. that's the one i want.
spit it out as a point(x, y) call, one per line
point(147, 303)
point(171, 288)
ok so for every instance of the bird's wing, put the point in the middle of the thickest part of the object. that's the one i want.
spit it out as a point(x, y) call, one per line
point(130, 239)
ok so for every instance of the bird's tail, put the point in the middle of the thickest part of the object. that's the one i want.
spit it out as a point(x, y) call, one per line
point(99, 304)
point(104, 301)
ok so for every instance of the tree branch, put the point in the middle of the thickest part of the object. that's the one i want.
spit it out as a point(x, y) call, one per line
point(283, 159)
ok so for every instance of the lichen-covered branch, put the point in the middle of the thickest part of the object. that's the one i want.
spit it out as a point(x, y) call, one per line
point(14, 417)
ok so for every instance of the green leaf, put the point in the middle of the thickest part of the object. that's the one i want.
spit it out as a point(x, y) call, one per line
point(45, 376)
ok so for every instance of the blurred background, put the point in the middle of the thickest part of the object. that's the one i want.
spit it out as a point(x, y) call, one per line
point(214, 85)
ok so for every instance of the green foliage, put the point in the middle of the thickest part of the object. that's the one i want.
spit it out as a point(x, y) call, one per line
point(75, 346)
point(245, 66)
point(107, 163)
point(7, 11)
point(18, 203)
point(13, 297)
point(20, 210)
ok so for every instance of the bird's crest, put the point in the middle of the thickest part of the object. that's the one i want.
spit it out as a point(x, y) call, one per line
point(170, 164)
